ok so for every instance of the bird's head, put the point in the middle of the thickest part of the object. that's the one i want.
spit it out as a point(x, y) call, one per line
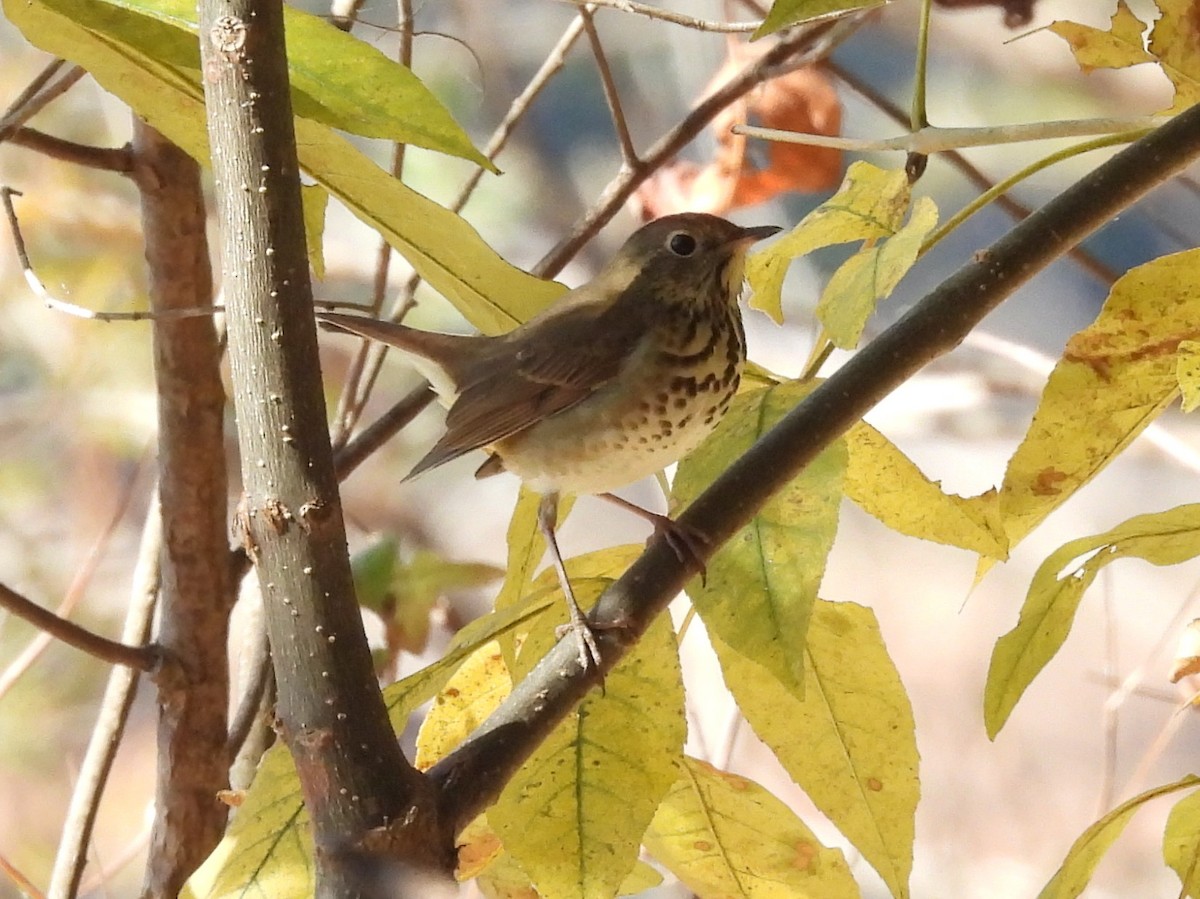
point(685, 257)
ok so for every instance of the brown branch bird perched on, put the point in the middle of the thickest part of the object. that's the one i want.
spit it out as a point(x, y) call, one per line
point(620, 378)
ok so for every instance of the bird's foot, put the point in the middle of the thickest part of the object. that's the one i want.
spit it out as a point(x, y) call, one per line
point(688, 544)
point(585, 638)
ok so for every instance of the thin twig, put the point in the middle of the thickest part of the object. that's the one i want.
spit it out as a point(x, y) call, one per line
point(356, 451)
point(932, 139)
point(796, 49)
point(261, 674)
point(104, 159)
point(143, 658)
point(1086, 259)
point(401, 413)
point(37, 96)
point(666, 15)
point(71, 858)
point(611, 95)
point(39, 289)
point(76, 589)
point(355, 394)
point(23, 883)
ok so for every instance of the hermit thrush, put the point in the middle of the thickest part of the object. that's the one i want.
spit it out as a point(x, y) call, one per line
point(618, 379)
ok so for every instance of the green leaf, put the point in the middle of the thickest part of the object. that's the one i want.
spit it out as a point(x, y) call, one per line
point(887, 484)
point(315, 199)
point(336, 79)
point(1115, 377)
point(785, 13)
point(443, 248)
point(1163, 538)
point(850, 741)
point(724, 835)
point(761, 584)
point(574, 815)
point(870, 275)
point(1181, 844)
point(870, 205)
point(1086, 852)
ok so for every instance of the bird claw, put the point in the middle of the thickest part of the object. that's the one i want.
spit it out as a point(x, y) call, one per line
point(585, 638)
point(688, 544)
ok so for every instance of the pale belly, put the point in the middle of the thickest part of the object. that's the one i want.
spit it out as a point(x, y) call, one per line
point(606, 442)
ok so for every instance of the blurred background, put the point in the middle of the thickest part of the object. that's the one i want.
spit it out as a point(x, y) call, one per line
point(77, 422)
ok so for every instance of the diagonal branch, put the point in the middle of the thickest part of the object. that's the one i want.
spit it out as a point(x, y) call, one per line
point(141, 658)
point(796, 49)
point(936, 325)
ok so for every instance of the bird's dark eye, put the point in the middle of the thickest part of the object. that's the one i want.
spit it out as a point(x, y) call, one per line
point(681, 243)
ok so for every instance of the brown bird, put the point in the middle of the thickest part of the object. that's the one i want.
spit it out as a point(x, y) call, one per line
point(618, 379)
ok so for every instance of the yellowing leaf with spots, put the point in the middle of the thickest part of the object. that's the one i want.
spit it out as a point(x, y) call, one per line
point(468, 698)
point(267, 849)
point(1121, 45)
point(1164, 538)
point(1114, 378)
point(1172, 43)
point(870, 275)
point(1086, 852)
point(850, 741)
point(870, 205)
point(762, 584)
point(504, 879)
point(1181, 843)
point(724, 835)
point(1187, 369)
point(887, 484)
point(574, 815)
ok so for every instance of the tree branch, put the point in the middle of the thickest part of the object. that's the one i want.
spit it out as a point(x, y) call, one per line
point(365, 800)
point(141, 658)
point(105, 159)
point(197, 592)
point(934, 326)
point(71, 857)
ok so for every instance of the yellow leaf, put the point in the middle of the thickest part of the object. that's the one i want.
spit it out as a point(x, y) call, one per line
point(315, 198)
point(870, 275)
point(1187, 369)
point(1085, 853)
point(870, 204)
point(886, 484)
point(574, 815)
point(1181, 844)
point(761, 584)
point(1120, 46)
point(724, 835)
point(850, 741)
point(1174, 36)
point(444, 249)
point(1114, 378)
point(504, 879)
point(468, 698)
point(1164, 538)
point(1173, 41)
point(267, 849)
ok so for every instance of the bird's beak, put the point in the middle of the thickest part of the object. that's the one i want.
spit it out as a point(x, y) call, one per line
point(747, 236)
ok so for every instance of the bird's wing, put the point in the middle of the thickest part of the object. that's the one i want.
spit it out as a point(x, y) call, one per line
point(526, 380)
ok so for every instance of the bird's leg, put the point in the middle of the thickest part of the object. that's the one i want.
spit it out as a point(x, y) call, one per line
point(688, 544)
point(589, 651)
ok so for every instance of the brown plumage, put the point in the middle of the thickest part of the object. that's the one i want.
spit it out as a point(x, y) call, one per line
point(621, 377)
